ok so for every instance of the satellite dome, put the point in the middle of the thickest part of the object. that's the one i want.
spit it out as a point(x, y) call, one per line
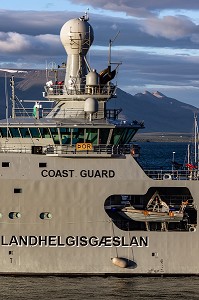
point(92, 78)
point(91, 105)
point(75, 35)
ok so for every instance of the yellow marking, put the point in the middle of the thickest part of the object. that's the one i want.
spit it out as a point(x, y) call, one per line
point(84, 146)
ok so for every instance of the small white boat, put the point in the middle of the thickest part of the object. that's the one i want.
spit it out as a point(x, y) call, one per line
point(156, 211)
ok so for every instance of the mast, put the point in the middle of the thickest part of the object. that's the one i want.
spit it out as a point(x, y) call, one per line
point(6, 95)
point(188, 154)
point(195, 140)
point(12, 84)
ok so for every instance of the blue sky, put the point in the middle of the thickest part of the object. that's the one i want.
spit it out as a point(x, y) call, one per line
point(42, 5)
point(34, 5)
point(158, 42)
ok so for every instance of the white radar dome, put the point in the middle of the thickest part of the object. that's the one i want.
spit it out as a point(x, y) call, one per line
point(92, 78)
point(91, 105)
point(76, 35)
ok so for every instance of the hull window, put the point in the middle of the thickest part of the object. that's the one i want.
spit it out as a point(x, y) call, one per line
point(160, 209)
point(42, 165)
point(17, 190)
point(5, 164)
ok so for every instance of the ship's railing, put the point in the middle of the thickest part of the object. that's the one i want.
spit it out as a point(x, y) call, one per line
point(57, 90)
point(98, 149)
point(173, 174)
point(65, 113)
point(44, 112)
point(28, 112)
point(67, 149)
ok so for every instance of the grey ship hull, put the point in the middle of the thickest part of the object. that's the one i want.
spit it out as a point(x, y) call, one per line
point(76, 204)
point(61, 198)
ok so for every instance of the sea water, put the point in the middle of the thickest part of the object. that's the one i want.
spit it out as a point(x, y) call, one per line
point(99, 288)
point(153, 155)
point(161, 155)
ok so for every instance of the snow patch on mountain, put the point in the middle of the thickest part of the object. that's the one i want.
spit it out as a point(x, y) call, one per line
point(158, 95)
point(12, 71)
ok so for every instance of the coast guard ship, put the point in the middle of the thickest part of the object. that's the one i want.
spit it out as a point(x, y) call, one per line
point(73, 198)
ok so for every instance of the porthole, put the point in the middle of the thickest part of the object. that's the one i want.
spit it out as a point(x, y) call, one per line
point(45, 216)
point(14, 215)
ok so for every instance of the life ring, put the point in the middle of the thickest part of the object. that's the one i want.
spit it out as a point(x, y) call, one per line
point(167, 176)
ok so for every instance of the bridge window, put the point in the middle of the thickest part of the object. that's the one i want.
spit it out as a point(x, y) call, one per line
point(92, 135)
point(103, 135)
point(122, 135)
point(45, 133)
point(5, 132)
point(24, 132)
point(78, 135)
point(35, 132)
point(15, 132)
point(55, 136)
point(117, 136)
point(129, 134)
point(65, 135)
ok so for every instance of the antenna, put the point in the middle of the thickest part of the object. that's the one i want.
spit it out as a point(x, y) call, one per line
point(110, 45)
point(86, 17)
point(12, 84)
point(195, 139)
point(6, 96)
point(46, 70)
point(53, 68)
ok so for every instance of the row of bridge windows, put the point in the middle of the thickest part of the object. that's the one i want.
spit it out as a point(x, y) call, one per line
point(72, 135)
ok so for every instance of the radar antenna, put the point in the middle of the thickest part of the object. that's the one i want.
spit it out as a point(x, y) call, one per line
point(85, 17)
point(110, 45)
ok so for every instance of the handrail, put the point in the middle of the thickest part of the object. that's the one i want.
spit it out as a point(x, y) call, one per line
point(58, 90)
point(44, 112)
point(182, 174)
point(68, 149)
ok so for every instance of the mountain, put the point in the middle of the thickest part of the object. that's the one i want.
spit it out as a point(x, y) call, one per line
point(159, 112)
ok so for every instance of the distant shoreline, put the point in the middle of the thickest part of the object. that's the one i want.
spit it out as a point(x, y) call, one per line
point(163, 137)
